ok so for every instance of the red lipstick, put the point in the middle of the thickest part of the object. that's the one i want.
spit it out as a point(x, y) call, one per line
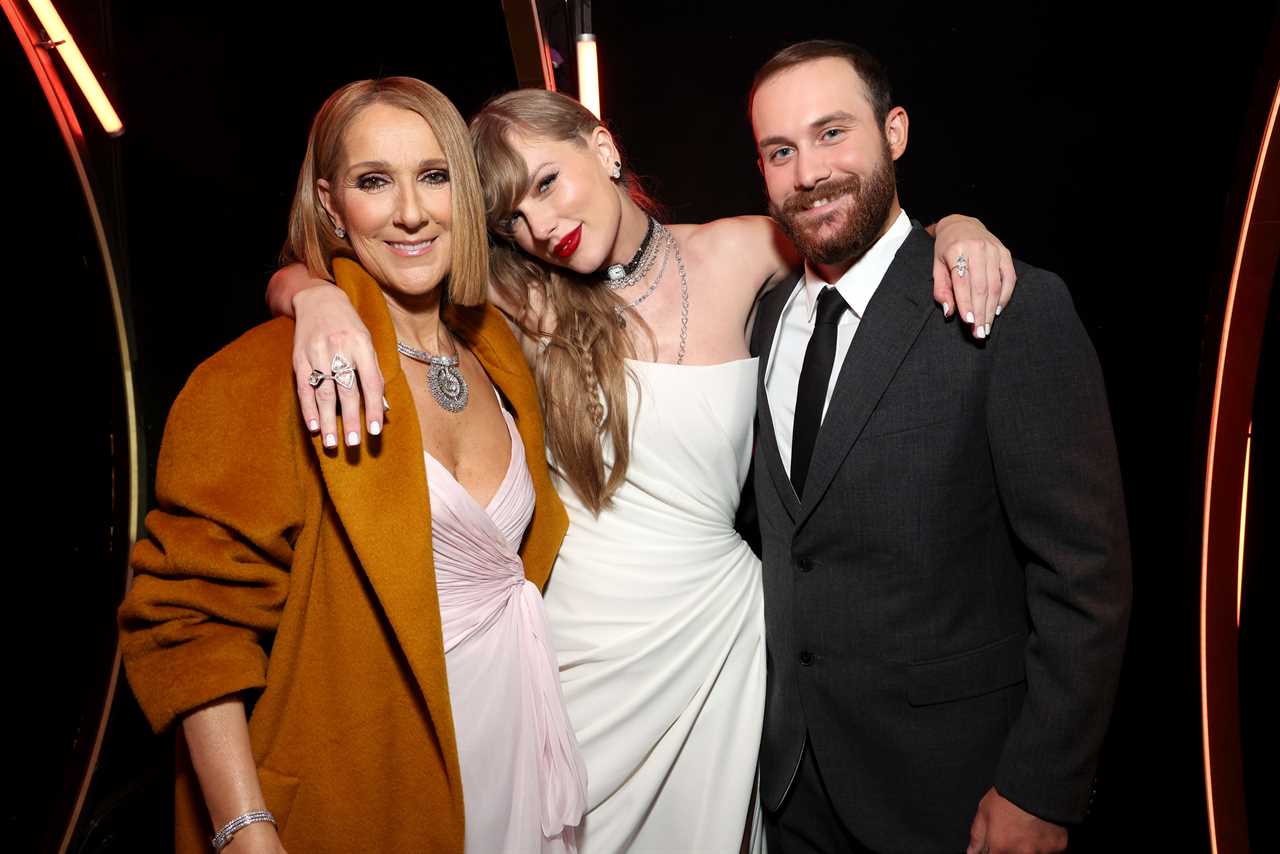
point(568, 244)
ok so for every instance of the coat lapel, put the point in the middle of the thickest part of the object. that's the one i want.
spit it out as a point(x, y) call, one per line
point(487, 334)
point(889, 327)
point(379, 491)
point(765, 330)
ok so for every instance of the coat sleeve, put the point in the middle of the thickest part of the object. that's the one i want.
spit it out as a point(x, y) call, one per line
point(211, 578)
point(1059, 481)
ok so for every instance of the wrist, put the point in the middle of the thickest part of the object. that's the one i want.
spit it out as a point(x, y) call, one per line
point(250, 823)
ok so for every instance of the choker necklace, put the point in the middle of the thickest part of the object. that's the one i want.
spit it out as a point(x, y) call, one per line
point(618, 276)
point(445, 382)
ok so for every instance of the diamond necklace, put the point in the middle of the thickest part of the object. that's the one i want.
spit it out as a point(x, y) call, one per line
point(619, 276)
point(669, 247)
point(445, 382)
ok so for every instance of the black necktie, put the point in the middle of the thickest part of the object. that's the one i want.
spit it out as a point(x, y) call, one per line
point(815, 376)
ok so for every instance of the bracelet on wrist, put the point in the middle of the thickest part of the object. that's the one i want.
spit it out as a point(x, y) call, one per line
point(240, 822)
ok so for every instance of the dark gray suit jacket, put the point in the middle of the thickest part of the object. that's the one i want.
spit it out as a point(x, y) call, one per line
point(947, 609)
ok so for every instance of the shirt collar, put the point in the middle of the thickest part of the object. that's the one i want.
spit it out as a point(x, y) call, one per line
point(860, 281)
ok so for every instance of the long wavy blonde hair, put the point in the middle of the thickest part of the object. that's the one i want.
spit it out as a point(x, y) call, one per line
point(581, 373)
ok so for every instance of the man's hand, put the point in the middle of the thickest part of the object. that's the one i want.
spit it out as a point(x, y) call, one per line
point(1002, 827)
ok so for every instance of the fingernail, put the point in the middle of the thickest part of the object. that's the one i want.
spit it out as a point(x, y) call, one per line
point(999, 308)
point(988, 330)
point(330, 440)
point(353, 438)
point(313, 425)
point(978, 331)
point(375, 428)
point(386, 407)
point(968, 318)
point(946, 309)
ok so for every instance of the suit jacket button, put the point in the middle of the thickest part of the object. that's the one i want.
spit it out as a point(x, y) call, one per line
point(804, 564)
point(806, 658)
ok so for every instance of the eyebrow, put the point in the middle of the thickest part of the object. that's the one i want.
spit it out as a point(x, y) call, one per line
point(382, 165)
point(837, 116)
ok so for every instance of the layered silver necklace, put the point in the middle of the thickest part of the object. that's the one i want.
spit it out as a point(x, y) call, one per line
point(663, 242)
point(619, 276)
point(445, 382)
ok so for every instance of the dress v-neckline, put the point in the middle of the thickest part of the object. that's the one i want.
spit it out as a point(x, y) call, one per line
point(511, 463)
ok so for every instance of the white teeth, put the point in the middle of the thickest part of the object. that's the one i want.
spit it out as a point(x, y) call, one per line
point(819, 203)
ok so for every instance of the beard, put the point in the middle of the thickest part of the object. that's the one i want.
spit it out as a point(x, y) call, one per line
point(855, 230)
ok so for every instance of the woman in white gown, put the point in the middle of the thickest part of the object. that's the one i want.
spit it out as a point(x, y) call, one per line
point(637, 336)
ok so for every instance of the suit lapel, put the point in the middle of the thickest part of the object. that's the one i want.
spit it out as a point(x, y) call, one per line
point(763, 334)
point(381, 499)
point(888, 328)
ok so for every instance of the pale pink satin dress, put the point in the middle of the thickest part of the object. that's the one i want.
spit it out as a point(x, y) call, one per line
point(523, 779)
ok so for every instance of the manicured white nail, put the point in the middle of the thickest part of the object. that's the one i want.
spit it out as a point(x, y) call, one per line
point(946, 309)
point(988, 330)
point(999, 308)
point(978, 331)
point(330, 440)
point(386, 407)
point(375, 428)
point(968, 318)
point(353, 438)
point(313, 425)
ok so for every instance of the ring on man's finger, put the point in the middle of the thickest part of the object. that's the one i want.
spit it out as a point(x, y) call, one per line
point(316, 377)
point(342, 372)
point(961, 266)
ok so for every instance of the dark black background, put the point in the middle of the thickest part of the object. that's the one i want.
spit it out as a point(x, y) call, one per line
point(1111, 148)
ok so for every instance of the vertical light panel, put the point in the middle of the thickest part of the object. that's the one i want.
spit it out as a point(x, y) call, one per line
point(588, 74)
point(61, 41)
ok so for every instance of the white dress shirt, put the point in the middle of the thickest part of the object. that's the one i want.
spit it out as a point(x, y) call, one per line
point(795, 326)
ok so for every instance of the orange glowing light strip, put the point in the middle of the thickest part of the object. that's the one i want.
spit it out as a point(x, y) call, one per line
point(588, 74)
point(1208, 488)
point(61, 41)
point(1244, 519)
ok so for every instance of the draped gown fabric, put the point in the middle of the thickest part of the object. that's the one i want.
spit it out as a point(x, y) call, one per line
point(523, 779)
point(657, 617)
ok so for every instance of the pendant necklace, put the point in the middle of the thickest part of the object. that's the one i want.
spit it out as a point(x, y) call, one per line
point(445, 382)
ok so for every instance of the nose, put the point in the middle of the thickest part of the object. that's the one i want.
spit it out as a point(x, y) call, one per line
point(411, 213)
point(811, 170)
point(542, 224)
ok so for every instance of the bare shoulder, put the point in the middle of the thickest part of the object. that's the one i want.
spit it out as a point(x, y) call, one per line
point(753, 247)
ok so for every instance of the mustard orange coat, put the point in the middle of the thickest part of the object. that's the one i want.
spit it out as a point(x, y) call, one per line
point(275, 567)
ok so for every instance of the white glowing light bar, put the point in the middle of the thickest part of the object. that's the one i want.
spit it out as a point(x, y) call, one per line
point(588, 74)
point(66, 46)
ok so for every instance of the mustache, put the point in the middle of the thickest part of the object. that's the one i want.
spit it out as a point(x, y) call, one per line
point(802, 199)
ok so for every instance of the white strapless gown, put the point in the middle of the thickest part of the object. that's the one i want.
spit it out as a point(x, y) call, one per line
point(657, 618)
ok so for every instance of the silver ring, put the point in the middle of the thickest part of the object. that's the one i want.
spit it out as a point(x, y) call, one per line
point(961, 266)
point(342, 372)
point(316, 377)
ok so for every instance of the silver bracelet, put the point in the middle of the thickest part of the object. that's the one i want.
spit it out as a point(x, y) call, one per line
point(240, 822)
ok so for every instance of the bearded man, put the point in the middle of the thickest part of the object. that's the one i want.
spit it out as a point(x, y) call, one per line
point(934, 684)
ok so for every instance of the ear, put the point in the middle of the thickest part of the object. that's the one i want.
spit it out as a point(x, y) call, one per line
point(600, 141)
point(326, 201)
point(895, 131)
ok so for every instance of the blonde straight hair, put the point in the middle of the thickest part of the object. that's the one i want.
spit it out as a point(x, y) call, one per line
point(312, 240)
point(583, 363)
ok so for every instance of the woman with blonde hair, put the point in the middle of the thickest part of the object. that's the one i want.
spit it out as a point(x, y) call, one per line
point(378, 612)
point(636, 331)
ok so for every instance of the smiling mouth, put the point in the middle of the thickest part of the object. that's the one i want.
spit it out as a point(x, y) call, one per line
point(411, 249)
point(568, 244)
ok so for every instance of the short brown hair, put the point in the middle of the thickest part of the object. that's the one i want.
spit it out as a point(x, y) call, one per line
point(311, 236)
point(868, 68)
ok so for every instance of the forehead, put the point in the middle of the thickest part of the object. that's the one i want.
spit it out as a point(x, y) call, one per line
point(391, 134)
point(538, 149)
point(790, 100)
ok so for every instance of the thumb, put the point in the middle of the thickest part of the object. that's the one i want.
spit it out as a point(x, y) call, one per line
point(978, 832)
point(942, 292)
